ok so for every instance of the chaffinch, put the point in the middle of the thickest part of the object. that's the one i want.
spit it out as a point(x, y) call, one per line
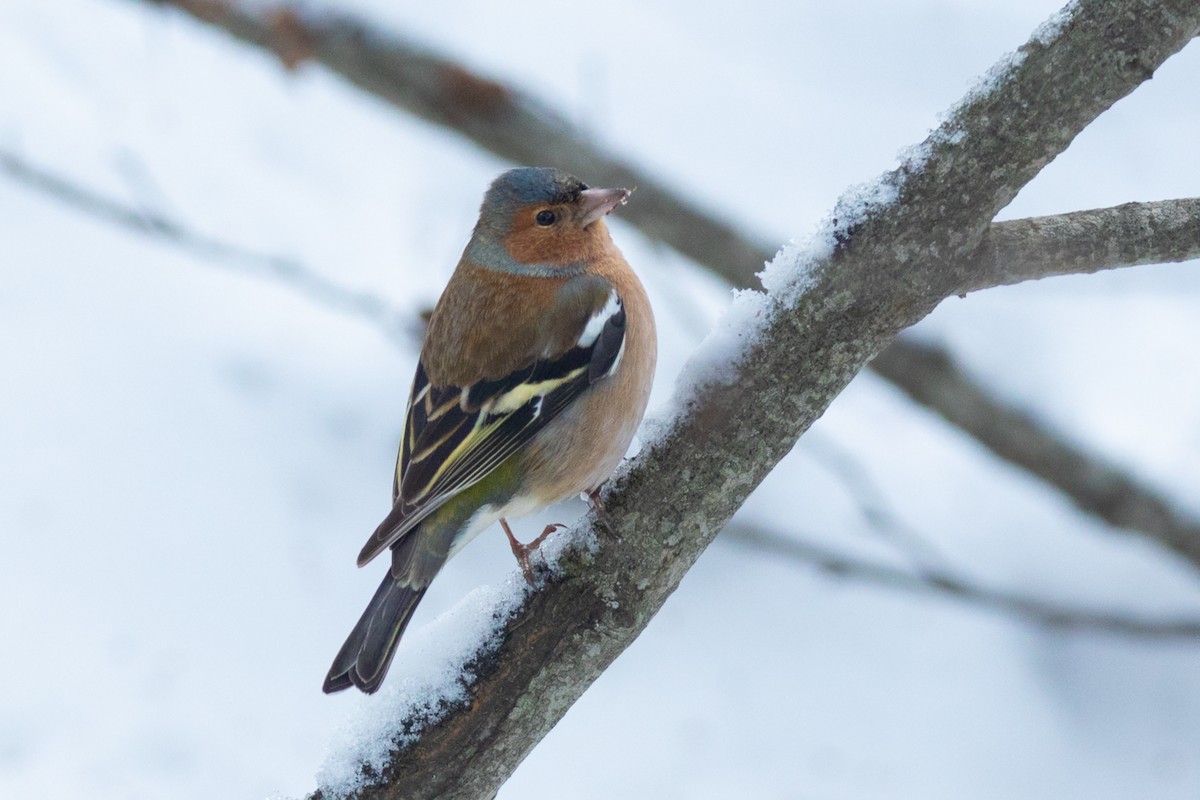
point(533, 378)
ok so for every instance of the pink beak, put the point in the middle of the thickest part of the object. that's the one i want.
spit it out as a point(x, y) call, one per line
point(596, 203)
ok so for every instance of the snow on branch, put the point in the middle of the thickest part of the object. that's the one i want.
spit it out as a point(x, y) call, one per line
point(518, 127)
point(889, 256)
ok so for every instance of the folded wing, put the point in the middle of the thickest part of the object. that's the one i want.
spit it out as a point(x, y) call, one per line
point(455, 435)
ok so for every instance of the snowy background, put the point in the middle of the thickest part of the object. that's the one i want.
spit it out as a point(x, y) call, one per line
point(190, 458)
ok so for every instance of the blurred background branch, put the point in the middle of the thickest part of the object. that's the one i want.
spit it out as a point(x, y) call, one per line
point(285, 270)
point(930, 376)
point(940, 582)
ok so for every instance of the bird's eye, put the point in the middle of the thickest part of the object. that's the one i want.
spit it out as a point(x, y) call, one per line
point(546, 218)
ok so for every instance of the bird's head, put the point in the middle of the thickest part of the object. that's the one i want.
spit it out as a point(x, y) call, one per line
point(542, 217)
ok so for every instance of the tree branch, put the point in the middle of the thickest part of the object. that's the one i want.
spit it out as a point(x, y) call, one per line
point(1093, 485)
point(518, 127)
point(893, 254)
point(946, 584)
point(1088, 241)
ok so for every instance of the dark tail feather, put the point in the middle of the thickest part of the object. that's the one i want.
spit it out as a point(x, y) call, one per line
point(364, 658)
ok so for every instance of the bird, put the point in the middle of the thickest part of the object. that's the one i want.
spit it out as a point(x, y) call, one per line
point(532, 381)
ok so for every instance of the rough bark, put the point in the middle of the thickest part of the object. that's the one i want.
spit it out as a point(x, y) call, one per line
point(518, 127)
point(894, 261)
point(1088, 241)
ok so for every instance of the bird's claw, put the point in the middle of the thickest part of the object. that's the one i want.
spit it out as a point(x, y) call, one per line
point(523, 551)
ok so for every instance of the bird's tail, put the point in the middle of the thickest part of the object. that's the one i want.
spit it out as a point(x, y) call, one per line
point(364, 658)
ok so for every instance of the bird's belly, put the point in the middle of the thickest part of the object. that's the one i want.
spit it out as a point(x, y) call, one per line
point(581, 448)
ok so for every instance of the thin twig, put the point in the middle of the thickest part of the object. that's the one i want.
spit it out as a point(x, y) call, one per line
point(871, 503)
point(289, 272)
point(946, 584)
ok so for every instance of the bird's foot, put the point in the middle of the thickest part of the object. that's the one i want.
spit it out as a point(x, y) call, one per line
point(522, 551)
point(593, 499)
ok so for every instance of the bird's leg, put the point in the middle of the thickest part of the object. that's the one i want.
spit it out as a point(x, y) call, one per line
point(593, 499)
point(522, 551)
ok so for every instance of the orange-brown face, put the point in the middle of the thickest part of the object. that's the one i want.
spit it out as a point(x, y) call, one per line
point(551, 234)
point(538, 218)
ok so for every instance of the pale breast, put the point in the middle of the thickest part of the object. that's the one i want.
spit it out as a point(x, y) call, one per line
point(585, 443)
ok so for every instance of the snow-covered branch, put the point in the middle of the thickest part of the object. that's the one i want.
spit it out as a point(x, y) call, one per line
point(512, 124)
point(890, 254)
point(519, 127)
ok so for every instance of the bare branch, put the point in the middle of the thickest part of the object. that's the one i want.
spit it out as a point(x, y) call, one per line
point(943, 583)
point(930, 572)
point(1088, 241)
point(870, 502)
point(518, 127)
